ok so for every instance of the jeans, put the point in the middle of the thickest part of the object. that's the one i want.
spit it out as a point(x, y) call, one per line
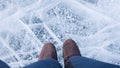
point(73, 62)
point(82, 62)
point(48, 63)
point(3, 65)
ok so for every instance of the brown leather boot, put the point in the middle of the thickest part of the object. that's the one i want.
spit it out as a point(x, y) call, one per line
point(48, 51)
point(70, 49)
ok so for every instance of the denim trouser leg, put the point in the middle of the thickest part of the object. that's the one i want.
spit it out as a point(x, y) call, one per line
point(3, 65)
point(74, 62)
point(48, 63)
point(82, 62)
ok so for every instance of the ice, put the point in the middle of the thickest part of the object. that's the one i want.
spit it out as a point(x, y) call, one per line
point(4, 4)
point(23, 3)
point(26, 25)
point(103, 6)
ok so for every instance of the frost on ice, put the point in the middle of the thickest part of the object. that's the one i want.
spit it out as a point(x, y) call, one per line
point(27, 24)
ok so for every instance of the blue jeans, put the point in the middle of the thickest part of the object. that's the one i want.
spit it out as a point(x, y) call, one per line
point(73, 62)
point(48, 63)
point(82, 62)
point(3, 65)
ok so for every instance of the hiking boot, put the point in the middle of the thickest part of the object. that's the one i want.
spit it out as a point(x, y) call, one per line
point(70, 49)
point(48, 51)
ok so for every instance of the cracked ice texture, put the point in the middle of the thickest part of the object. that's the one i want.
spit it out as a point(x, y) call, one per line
point(27, 24)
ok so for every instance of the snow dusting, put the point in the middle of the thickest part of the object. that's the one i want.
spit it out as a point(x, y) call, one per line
point(26, 25)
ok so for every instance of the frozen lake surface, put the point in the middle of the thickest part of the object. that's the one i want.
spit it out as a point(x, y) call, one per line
point(25, 25)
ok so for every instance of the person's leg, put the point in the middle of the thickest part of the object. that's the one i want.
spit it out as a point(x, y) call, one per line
point(73, 59)
point(47, 63)
point(3, 65)
point(82, 62)
point(70, 49)
point(47, 58)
